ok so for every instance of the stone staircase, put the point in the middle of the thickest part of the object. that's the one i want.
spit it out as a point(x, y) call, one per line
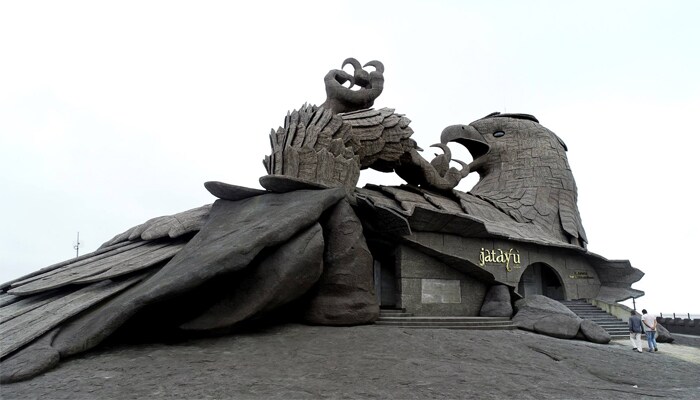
point(617, 328)
point(400, 318)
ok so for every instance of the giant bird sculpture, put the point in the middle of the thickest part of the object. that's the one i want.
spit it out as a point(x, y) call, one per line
point(299, 247)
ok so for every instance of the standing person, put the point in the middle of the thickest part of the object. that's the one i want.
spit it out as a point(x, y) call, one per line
point(649, 322)
point(635, 324)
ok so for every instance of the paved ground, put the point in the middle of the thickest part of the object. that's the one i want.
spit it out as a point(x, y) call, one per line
point(302, 362)
point(684, 347)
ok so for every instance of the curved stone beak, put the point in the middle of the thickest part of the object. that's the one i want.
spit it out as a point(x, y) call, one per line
point(468, 137)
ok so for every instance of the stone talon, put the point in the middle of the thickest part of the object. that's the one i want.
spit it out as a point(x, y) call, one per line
point(340, 99)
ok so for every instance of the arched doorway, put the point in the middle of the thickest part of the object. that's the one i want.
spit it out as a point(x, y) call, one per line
point(540, 278)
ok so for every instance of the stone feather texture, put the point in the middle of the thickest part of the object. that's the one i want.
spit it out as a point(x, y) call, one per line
point(316, 145)
point(525, 175)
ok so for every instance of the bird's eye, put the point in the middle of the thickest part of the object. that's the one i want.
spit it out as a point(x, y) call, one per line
point(498, 134)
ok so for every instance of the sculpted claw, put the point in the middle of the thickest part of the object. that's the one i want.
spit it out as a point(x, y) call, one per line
point(342, 77)
point(464, 171)
point(340, 99)
point(441, 163)
point(377, 65)
point(444, 148)
point(352, 61)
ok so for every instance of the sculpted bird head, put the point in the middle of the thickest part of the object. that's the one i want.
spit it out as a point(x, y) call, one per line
point(498, 140)
point(342, 99)
point(523, 172)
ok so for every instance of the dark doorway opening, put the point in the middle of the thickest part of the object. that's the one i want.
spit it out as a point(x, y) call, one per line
point(540, 278)
point(385, 279)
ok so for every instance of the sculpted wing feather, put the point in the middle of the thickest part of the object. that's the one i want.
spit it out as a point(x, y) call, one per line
point(317, 145)
point(63, 290)
point(570, 217)
point(382, 137)
point(172, 226)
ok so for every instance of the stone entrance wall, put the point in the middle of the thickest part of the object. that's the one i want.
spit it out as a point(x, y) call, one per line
point(497, 257)
point(430, 287)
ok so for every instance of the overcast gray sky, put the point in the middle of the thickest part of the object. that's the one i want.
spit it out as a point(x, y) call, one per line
point(112, 113)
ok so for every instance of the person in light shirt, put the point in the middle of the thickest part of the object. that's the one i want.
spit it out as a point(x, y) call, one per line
point(649, 323)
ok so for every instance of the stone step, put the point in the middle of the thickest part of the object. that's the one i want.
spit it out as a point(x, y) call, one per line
point(390, 315)
point(442, 322)
point(616, 328)
point(463, 327)
point(610, 320)
point(394, 312)
point(446, 319)
point(402, 320)
point(446, 323)
point(607, 321)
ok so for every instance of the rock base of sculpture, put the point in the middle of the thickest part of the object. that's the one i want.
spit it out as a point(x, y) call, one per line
point(497, 302)
point(345, 293)
point(549, 317)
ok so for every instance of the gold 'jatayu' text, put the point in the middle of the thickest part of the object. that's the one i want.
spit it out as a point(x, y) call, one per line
point(498, 256)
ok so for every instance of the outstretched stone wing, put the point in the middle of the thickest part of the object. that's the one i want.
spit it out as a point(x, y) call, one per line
point(86, 299)
point(64, 290)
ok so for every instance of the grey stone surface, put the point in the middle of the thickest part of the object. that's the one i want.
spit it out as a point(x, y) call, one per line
point(442, 291)
point(663, 335)
point(236, 233)
point(284, 184)
point(73, 272)
point(533, 308)
point(594, 332)
point(497, 302)
point(23, 329)
point(345, 293)
point(523, 172)
point(459, 234)
point(157, 255)
point(682, 326)
point(558, 326)
point(234, 236)
point(171, 226)
point(281, 277)
point(33, 359)
point(341, 99)
point(417, 266)
point(42, 273)
point(296, 361)
point(226, 191)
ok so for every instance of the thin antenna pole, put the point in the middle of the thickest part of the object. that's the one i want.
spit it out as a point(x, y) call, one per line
point(77, 245)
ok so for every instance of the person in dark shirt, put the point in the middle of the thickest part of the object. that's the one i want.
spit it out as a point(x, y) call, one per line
point(635, 324)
